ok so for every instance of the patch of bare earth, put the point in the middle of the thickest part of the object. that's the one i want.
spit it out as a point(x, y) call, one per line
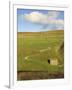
point(35, 75)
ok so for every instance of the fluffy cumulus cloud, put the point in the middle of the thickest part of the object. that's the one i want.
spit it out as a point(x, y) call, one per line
point(36, 17)
point(51, 18)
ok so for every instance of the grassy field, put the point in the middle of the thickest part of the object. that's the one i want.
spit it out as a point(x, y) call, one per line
point(35, 48)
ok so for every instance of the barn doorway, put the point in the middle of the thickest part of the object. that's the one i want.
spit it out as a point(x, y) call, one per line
point(49, 61)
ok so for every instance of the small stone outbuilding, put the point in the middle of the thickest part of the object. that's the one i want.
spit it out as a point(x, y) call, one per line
point(53, 61)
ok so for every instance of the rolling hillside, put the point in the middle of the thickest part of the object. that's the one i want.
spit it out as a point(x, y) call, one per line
point(34, 49)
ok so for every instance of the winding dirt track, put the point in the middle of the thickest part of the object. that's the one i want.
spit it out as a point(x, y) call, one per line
point(42, 50)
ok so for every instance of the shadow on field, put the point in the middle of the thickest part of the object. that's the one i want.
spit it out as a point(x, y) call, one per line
point(35, 75)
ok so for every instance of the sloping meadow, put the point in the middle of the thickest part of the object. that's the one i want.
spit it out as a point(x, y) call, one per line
point(34, 49)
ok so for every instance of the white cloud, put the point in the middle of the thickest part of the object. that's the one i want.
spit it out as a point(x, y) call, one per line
point(53, 14)
point(40, 18)
point(35, 17)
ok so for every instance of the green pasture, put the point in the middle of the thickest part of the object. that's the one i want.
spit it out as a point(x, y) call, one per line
point(34, 49)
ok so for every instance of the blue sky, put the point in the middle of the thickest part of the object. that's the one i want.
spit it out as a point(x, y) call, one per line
point(31, 20)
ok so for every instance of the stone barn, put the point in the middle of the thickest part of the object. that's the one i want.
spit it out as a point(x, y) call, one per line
point(53, 61)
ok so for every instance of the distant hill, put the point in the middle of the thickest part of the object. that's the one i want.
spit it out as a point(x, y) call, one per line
point(53, 32)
